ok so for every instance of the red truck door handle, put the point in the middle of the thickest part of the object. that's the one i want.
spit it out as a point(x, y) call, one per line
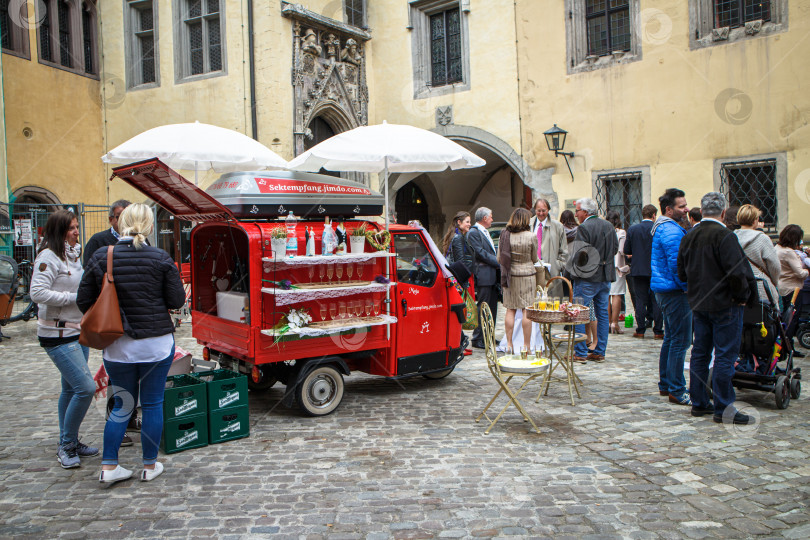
point(404, 307)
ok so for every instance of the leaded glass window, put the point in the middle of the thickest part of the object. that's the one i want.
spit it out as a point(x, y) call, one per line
point(608, 26)
point(445, 47)
point(735, 13)
point(204, 36)
point(752, 182)
point(620, 192)
point(45, 51)
point(63, 13)
point(354, 12)
point(87, 39)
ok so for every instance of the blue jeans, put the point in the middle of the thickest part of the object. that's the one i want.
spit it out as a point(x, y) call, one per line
point(677, 338)
point(128, 381)
point(722, 331)
point(78, 387)
point(599, 293)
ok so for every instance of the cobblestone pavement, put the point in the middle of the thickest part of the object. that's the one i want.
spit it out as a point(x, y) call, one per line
point(406, 460)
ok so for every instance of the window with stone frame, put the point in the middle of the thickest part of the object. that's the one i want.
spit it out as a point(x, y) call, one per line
point(354, 12)
point(440, 46)
point(68, 35)
point(14, 34)
point(752, 182)
point(601, 33)
point(621, 192)
point(141, 30)
point(201, 38)
point(713, 22)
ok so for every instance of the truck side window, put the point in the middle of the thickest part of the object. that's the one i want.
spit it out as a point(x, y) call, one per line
point(415, 266)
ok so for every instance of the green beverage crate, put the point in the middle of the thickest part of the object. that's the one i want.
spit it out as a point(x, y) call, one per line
point(184, 396)
point(226, 389)
point(185, 433)
point(228, 424)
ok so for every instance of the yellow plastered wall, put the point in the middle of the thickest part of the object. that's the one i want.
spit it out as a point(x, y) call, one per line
point(674, 110)
point(62, 113)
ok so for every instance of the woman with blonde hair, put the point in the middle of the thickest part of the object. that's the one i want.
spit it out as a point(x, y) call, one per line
point(148, 286)
point(759, 250)
point(517, 253)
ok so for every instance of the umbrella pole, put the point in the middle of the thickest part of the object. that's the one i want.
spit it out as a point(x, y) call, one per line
point(387, 259)
point(195, 173)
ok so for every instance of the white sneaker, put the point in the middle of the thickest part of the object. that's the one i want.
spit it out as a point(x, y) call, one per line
point(151, 474)
point(115, 475)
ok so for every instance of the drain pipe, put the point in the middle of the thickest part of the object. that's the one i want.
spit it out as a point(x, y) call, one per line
point(252, 69)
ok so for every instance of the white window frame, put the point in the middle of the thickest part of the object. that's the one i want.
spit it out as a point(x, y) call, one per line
point(576, 40)
point(18, 34)
point(76, 36)
point(182, 54)
point(133, 43)
point(419, 13)
point(703, 34)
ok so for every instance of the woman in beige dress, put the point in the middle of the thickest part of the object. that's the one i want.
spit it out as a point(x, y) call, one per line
point(517, 253)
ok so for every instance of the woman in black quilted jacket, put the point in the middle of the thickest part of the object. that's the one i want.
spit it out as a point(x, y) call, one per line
point(148, 286)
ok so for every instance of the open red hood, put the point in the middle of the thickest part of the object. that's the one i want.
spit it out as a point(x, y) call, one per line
point(177, 195)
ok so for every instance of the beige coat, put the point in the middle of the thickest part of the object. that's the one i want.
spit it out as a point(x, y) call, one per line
point(555, 249)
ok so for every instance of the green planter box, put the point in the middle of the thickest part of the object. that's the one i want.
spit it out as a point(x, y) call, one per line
point(228, 424)
point(184, 396)
point(226, 389)
point(184, 433)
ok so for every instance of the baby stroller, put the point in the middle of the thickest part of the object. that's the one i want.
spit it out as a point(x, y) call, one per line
point(766, 355)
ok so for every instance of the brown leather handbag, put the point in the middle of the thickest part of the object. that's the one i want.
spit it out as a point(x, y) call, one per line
point(102, 325)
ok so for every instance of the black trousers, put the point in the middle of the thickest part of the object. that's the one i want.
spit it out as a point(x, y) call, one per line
point(482, 295)
point(645, 303)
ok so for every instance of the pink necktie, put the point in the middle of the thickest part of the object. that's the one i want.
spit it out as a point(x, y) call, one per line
point(540, 241)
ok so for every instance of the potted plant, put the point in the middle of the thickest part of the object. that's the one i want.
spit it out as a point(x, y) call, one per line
point(357, 238)
point(278, 241)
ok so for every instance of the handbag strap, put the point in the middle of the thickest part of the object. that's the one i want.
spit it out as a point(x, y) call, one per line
point(109, 272)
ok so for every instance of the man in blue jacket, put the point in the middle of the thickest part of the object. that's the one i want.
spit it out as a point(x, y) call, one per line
point(670, 293)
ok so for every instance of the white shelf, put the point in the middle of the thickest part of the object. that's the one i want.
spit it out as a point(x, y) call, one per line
point(300, 260)
point(292, 296)
point(352, 324)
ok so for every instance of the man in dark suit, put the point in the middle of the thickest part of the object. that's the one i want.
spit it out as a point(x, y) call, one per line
point(486, 268)
point(638, 248)
point(592, 266)
point(107, 237)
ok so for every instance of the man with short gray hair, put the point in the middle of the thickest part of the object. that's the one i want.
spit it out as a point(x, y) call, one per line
point(592, 267)
point(719, 283)
point(107, 237)
point(486, 268)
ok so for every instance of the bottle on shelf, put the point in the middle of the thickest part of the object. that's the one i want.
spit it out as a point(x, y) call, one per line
point(292, 238)
point(328, 239)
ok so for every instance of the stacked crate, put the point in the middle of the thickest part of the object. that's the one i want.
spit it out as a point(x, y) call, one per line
point(228, 415)
point(185, 414)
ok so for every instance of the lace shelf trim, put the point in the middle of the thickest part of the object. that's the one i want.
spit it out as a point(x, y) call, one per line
point(286, 297)
point(320, 259)
point(310, 331)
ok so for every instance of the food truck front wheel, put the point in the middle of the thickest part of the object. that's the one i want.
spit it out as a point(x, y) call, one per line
point(321, 391)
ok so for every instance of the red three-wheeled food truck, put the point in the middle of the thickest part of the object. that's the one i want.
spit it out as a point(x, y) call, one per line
point(394, 312)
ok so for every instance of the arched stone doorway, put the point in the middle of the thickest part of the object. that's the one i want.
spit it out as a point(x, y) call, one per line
point(411, 204)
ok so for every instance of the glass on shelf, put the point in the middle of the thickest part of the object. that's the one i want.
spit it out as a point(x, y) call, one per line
point(339, 271)
point(376, 307)
point(330, 271)
point(310, 272)
point(368, 306)
point(323, 309)
point(349, 270)
point(321, 271)
point(342, 310)
point(358, 308)
point(332, 311)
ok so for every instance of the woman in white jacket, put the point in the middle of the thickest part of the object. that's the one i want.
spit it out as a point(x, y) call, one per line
point(57, 274)
point(618, 287)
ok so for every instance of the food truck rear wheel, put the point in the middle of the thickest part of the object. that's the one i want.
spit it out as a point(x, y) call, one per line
point(264, 383)
point(321, 391)
point(438, 374)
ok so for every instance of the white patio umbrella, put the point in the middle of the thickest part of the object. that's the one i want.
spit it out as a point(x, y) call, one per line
point(197, 147)
point(386, 148)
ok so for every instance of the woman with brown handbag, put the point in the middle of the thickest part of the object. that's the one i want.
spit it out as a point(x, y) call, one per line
point(57, 273)
point(148, 285)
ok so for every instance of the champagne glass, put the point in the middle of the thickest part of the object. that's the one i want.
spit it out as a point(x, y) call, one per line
point(368, 307)
point(339, 271)
point(330, 271)
point(524, 352)
point(321, 271)
point(349, 271)
point(342, 310)
point(310, 272)
point(332, 311)
point(376, 307)
point(578, 300)
point(323, 308)
point(358, 308)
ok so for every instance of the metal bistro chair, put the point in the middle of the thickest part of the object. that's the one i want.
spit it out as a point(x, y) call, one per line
point(506, 368)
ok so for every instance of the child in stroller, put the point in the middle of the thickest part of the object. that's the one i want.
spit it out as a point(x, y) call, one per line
point(766, 354)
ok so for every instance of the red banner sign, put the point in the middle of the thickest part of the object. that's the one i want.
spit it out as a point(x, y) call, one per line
point(295, 187)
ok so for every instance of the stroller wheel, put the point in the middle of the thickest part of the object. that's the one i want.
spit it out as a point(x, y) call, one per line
point(795, 388)
point(782, 391)
point(804, 336)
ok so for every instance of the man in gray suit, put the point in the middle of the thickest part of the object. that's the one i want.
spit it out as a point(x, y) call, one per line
point(551, 242)
point(591, 264)
point(486, 268)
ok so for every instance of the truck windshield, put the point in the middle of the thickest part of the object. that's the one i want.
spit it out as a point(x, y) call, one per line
point(414, 263)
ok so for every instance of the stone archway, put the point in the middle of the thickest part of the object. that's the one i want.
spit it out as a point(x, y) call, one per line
point(34, 195)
